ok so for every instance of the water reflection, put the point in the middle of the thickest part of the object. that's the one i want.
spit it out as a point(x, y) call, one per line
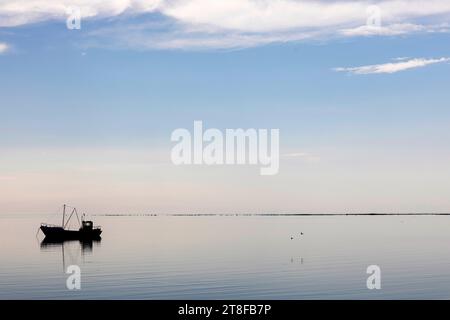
point(72, 251)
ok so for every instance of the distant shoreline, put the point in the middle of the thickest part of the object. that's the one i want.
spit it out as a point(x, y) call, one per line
point(268, 214)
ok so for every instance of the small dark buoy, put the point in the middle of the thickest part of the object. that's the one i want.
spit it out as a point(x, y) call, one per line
point(292, 238)
point(301, 233)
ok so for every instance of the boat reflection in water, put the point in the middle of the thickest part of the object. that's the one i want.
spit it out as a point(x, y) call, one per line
point(72, 251)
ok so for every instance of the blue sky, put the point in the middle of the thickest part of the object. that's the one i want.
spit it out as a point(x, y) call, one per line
point(87, 116)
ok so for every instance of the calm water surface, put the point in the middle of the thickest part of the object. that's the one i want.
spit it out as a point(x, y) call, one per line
point(231, 257)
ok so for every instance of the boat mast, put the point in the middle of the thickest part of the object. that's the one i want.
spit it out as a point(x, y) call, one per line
point(64, 213)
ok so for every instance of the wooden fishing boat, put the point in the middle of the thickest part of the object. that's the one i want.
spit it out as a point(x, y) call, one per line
point(87, 229)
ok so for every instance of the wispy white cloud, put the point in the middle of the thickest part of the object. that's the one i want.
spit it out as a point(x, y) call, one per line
point(392, 67)
point(239, 23)
point(4, 47)
point(395, 29)
point(388, 30)
point(401, 58)
point(22, 12)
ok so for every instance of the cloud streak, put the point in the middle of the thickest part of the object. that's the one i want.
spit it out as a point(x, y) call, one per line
point(4, 47)
point(392, 67)
point(237, 23)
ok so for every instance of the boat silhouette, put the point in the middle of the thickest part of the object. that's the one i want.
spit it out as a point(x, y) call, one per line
point(87, 230)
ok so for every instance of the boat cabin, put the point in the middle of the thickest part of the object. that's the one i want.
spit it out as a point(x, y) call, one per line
point(86, 225)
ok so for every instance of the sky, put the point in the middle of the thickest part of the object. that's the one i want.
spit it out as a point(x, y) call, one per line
point(358, 89)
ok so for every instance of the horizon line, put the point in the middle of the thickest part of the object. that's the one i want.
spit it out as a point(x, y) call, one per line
point(271, 214)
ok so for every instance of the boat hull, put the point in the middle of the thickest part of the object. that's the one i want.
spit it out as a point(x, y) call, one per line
point(58, 233)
